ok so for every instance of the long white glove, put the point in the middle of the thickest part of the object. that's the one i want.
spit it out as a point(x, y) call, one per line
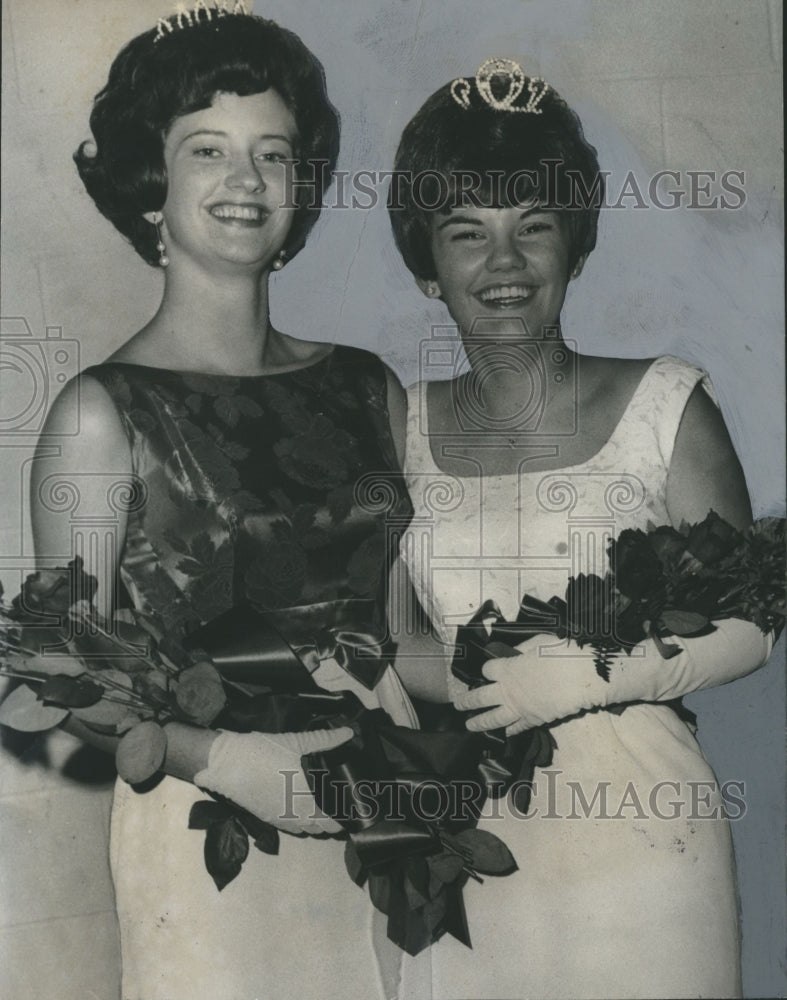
point(552, 679)
point(262, 773)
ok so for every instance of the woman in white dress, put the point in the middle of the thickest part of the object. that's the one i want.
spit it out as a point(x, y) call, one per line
point(520, 470)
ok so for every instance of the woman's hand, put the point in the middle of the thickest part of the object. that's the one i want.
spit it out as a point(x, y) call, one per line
point(262, 773)
point(550, 680)
point(533, 689)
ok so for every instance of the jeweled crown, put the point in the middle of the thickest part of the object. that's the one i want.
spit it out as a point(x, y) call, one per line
point(202, 12)
point(509, 71)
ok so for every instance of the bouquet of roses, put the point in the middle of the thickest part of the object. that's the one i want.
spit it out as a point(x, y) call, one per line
point(661, 583)
point(412, 839)
point(124, 678)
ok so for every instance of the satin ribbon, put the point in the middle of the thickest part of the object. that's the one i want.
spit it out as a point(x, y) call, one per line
point(371, 786)
point(508, 761)
point(281, 650)
point(268, 660)
point(481, 638)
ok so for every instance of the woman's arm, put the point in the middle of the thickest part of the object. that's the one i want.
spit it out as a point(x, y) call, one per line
point(549, 681)
point(705, 473)
point(546, 682)
point(83, 467)
point(421, 659)
point(251, 769)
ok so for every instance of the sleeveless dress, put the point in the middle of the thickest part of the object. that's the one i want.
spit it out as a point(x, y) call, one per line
point(275, 490)
point(628, 894)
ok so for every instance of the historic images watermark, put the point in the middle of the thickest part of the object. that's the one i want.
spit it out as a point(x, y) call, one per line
point(431, 190)
point(555, 796)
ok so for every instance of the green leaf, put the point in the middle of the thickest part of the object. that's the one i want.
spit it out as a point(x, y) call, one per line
point(416, 882)
point(539, 747)
point(446, 867)
point(267, 840)
point(152, 625)
point(226, 848)
point(190, 567)
point(203, 549)
point(141, 752)
point(353, 864)
point(175, 541)
point(134, 634)
point(265, 835)
point(40, 638)
point(683, 622)
point(107, 652)
point(109, 716)
point(434, 911)
point(490, 854)
point(152, 687)
point(522, 791)
point(22, 711)
point(206, 813)
point(52, 665)
point(380, 891)
point(340, 502)
point(70, 692)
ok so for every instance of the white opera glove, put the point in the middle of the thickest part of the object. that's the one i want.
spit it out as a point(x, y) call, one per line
point(553, 679)
point(262, 773)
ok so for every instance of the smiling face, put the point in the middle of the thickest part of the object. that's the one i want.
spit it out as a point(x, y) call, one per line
point(501, 262)
point(229, 176)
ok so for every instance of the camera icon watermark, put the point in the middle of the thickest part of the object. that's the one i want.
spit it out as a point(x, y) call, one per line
point(537, 365)
point(33, 369)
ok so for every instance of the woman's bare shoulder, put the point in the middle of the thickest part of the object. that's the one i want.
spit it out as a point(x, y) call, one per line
point(83, 435)
point(610, 379)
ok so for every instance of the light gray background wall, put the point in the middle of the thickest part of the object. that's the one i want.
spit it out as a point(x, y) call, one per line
point(677, 84)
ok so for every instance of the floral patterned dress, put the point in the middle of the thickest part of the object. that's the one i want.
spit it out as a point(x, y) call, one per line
point(273, 491)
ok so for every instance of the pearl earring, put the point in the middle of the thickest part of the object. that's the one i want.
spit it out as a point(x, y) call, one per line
point(163, 259)
point(279, 260)
point(432, 290)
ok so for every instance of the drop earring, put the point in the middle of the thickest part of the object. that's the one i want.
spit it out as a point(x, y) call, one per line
point(279, 260)
point(163, 259)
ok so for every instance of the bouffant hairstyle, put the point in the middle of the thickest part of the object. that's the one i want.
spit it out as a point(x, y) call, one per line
point(453, 154)
point(153, 81)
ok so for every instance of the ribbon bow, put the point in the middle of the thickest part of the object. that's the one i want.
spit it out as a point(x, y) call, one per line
point(281, 650)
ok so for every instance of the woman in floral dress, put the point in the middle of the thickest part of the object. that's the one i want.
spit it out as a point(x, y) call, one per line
point(246, 461)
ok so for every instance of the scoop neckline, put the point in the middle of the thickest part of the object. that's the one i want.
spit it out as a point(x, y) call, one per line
point(195, 373)
point(540, 472)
